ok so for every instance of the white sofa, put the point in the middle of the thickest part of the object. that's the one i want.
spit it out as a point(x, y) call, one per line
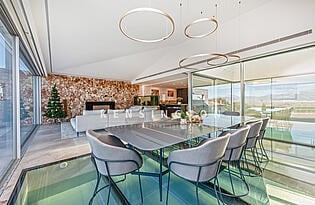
point(100, 119)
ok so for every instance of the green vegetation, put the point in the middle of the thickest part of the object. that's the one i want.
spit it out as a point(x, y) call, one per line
point(54, 108)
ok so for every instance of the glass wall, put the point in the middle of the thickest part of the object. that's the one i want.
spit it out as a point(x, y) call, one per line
point(293, 101)
point(257, 101)
point(17, 91)
point(213, 90)
point(201, 100)
point(289, 102)
point(26, 101)
point(7, 154)
point(211, 95)
point(280, 87)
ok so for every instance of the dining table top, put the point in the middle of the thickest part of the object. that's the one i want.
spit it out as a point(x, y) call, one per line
point(148, 136)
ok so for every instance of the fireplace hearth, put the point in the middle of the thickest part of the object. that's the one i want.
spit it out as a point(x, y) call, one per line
point(100, 105)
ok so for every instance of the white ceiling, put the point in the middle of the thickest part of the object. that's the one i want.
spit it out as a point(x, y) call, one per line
point(172, 81)
point(85, 40)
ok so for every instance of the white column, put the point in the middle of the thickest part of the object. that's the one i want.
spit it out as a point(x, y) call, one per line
point(215, 97)
point(190, 86)
point(242, 88)
point(16, 98)
point(37, 86)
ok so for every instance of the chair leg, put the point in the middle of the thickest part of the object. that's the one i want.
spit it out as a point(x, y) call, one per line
point(197, 194)
point(140, 189)
point(243, 177)
point(257, 155)
point(215, 190)
point(261, 157)
point(256, 162)
point(239, 175)
point(168, 186)
point(96, 186)
point(220, 192)
point(246, 162)
point(231, 177)
point(264, 150)
point(109, 189)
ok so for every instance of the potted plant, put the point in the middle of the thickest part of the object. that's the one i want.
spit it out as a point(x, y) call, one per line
point(183, 119)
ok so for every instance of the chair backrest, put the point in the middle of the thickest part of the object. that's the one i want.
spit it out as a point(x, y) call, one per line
point(109, 150)
point(253, 133)
point(231, 113)
point(203, 160)
point(263, 127)
point(237, 142)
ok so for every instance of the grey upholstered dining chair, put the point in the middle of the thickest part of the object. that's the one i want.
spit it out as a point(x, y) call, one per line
point(261, 136)
point(251, 142)
point(231, 113)
point(112, 158)
point(233, 155)
point(198, 164)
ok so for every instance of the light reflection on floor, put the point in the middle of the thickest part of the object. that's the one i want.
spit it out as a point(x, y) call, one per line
point(72, 183)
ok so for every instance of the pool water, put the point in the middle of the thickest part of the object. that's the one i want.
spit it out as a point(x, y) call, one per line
point(72, 183)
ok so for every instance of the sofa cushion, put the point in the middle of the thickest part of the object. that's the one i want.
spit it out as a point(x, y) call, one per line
point(136, 108)
point(116, 111)
point(73, 122)
point(93, 112)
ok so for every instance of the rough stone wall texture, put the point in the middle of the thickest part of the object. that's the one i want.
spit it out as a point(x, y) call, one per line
point(26, 99)
point(75, 91)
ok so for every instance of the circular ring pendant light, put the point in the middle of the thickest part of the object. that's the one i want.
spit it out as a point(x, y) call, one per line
point(217, 59)
point(210, 20)
point(210, 57)
point(152, 10)
point(233, 57)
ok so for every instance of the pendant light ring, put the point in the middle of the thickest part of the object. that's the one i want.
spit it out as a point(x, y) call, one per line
point(210, 20)
point(152, 10)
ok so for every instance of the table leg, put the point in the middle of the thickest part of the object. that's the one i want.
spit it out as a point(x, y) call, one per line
point(161, 173)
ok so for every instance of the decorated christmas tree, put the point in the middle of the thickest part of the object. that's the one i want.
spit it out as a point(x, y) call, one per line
point(54, 108)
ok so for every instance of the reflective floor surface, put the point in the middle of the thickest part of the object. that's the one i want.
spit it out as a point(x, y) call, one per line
point(72, 183)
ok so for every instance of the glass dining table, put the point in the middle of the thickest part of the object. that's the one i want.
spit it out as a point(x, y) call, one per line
point(157, 135)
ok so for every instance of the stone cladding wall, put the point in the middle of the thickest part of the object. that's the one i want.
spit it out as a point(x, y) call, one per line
point(75, 91)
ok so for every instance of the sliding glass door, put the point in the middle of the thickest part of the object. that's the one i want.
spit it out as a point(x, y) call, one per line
point(7, 151)
point(19, 93)
point(280, 87)
point(26, 101)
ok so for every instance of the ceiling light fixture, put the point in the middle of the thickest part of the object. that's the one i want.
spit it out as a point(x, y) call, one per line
point(213, 59)
point(233, 57)
point(218, 59)
point(209, 57)
point(152, 10)
point(210, 20)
